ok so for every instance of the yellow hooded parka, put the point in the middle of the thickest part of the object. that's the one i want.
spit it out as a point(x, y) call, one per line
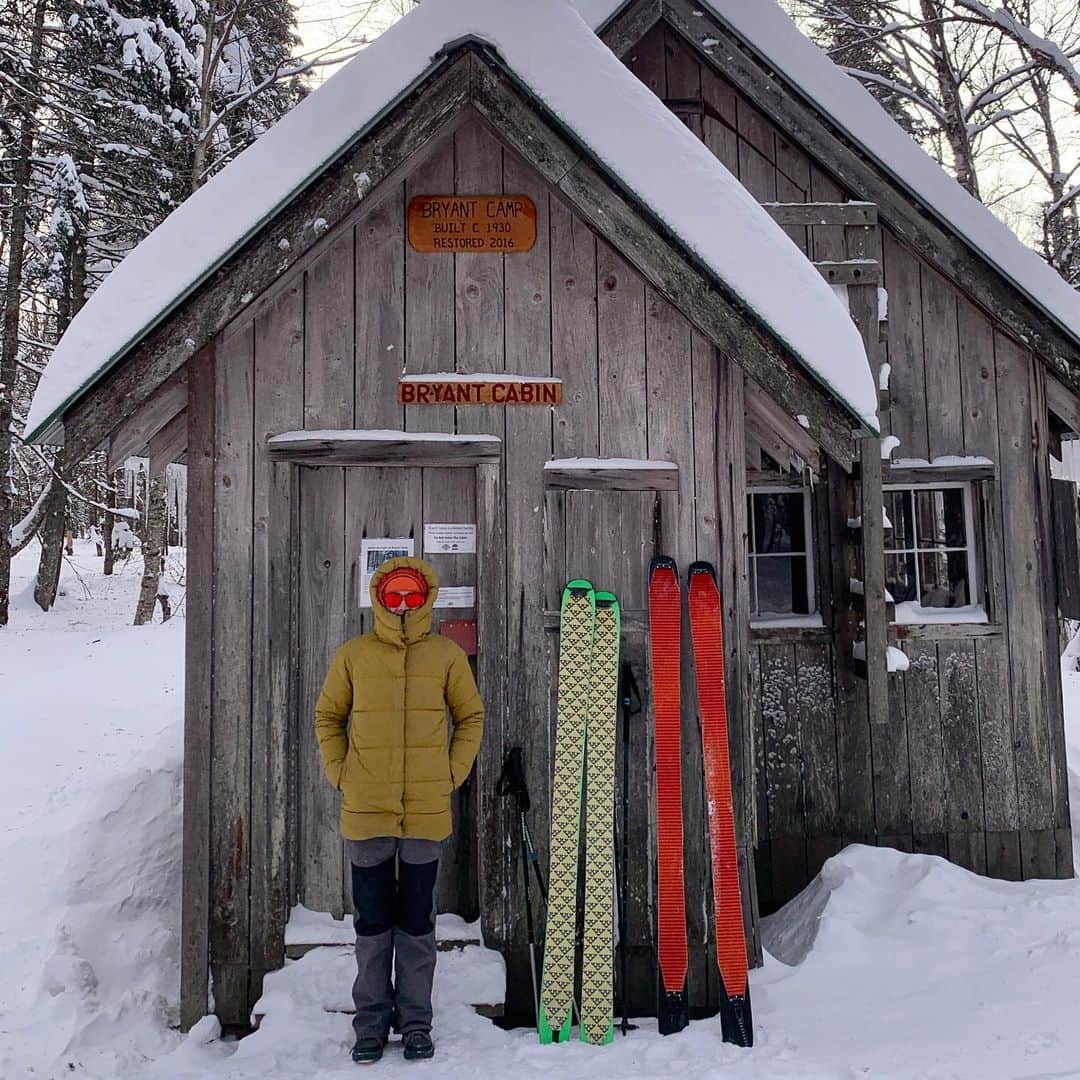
point(397, 763)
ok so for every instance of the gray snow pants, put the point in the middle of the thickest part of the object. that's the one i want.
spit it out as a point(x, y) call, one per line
point(393, 886)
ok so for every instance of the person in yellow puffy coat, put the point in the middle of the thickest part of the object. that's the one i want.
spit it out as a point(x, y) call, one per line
point(381, 725)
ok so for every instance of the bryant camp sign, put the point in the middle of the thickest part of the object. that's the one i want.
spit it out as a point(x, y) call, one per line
point(499, 224)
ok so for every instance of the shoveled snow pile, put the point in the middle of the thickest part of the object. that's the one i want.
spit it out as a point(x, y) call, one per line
point(552, 50)
point(887, 965)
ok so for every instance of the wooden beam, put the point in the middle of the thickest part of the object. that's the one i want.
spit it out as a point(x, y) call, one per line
point(816, 213)
point(662, 260)
point(934, 474)
point(1064, 404)
point(382, 448)
point(850, 271)
point(784, 426)
point(271, 253)
point(603, 477)
point(919, 227)
point(156, 410)
point(168, 444)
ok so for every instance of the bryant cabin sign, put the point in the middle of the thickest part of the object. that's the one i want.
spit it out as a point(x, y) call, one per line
point(451, 389)
point(499, 224)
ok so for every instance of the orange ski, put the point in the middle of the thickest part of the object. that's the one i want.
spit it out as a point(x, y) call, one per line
point(665, 624)
point(707, 633)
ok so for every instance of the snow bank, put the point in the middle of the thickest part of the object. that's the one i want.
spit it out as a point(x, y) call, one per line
point(90, 767)
point(920, 968)
point(771, 34)
point(564, 64)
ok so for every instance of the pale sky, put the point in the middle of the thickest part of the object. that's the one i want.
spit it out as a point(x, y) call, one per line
point(343, 25)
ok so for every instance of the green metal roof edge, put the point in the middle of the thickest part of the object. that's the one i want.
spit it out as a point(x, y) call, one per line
point(56, 416)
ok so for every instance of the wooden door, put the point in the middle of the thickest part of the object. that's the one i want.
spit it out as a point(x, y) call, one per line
point(338, 507)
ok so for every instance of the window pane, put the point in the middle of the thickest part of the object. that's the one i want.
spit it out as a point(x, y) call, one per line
point(749, 523)
point(778, 521)
point(900, 577)
point(940, 518)
point(753, 587)
point(944, 579)
point(898, 508)
point(781, 586)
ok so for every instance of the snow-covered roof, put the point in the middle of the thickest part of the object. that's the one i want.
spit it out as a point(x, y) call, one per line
point(564, 64)
point(768, 31)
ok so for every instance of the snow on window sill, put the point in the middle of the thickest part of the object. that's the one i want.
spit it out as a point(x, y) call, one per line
point(777, 622)
point(909, 613)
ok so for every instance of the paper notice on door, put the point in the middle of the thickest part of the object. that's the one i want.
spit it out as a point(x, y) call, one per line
point(449, 538)
point(456, 596)
point(374, 551)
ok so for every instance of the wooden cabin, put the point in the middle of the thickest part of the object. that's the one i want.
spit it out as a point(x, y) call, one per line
point(890, 596)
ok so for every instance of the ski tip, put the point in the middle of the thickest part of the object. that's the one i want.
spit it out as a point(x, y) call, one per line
point(674, 1013)
point(606, 600)
point(736, 1019)
point(659, 563)
point(701, 567)
point(579, 585)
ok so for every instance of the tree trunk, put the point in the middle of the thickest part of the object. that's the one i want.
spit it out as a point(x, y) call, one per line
point(9, 335)
point(107, 528)
point(955, 124)
point(151, 549)
point(52, 538)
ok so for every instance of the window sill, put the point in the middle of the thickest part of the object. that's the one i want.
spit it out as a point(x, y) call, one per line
point(909, 613)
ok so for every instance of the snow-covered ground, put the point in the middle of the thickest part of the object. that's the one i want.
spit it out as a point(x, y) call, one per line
point(887, 965)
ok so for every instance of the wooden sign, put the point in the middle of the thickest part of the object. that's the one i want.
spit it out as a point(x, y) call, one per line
point(481, 223)
point(460, 390)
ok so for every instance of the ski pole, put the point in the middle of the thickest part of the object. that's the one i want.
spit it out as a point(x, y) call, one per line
point(630, 699)
point(511, 782)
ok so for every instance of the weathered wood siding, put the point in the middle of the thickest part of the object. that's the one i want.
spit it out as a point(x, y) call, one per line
point(323, 349)
point(969, 763)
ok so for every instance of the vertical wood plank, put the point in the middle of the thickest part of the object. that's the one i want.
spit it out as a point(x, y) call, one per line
point(573, 333)
point(907, 376)
point(478, 280)
point(892, 766)
point(1027, 643)
point(941, 357)
point(1054, 707)
point(278, 406)
point(783, 771)
point(961, 749)
point(816, 717)
point(720, 119)
point(923, 695)
point(230, 769)
point(380, 312)
point(852, 718)
point(321, 631)
point(198, 690)
point(429, 291)
point(491, 677)
point(329, 339)
point(621, 355)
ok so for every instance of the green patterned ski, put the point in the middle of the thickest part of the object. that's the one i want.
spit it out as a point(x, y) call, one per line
point(575, 663)
point(597, 960)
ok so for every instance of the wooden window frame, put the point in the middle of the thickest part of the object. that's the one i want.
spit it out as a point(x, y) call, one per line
point(971, 547)
point(757, 620)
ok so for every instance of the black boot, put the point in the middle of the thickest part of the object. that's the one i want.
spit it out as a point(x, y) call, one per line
point(418, 1046)
point(367, 1050)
